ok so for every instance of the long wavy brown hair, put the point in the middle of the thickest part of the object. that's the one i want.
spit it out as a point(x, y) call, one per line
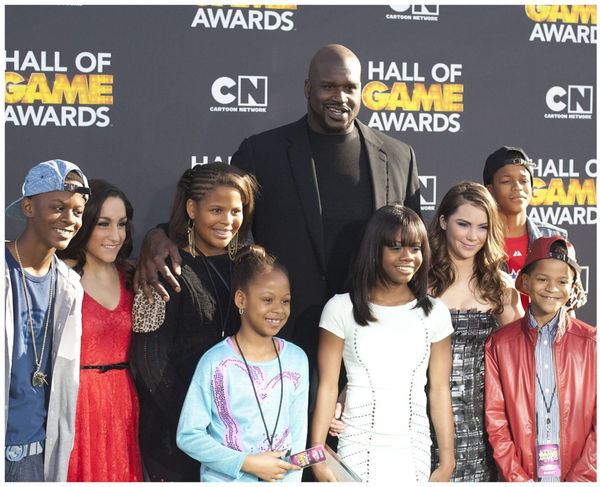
point(487, 265)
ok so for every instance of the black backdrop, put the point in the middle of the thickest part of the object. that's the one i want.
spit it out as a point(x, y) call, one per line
point(136, 94)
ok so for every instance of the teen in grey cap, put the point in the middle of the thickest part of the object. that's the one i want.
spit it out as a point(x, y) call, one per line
point(42, 325)
point(47, 177)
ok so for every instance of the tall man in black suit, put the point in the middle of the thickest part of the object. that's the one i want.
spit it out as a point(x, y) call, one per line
point(321, 178)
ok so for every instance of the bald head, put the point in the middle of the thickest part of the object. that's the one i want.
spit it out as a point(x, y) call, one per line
point(332, 53)
point(332, 90)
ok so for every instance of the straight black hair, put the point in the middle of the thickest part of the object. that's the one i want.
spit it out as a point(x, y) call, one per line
point(367, 270)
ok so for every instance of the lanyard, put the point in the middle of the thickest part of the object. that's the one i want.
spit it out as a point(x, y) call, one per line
point(546, 405)
point(262, 416)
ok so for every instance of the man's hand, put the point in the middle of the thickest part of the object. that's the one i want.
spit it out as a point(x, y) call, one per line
point(156, 247)
point(336, 426)
point(268, 465)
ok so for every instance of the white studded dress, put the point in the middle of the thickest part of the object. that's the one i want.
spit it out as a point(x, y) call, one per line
point(387, 435)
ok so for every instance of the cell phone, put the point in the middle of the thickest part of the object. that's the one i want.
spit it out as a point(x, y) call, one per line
point(306, 458)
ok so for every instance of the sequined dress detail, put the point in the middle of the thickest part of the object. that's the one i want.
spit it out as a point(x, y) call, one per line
point(106, 447)
point(474, 461)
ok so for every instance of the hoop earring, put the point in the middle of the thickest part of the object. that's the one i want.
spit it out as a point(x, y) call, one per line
point(232, 247)
point(241, 310)
point(191, 237)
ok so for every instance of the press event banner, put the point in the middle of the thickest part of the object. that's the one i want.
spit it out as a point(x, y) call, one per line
point(137, 94)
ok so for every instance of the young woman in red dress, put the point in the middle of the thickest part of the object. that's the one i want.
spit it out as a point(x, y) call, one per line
point(106, 447)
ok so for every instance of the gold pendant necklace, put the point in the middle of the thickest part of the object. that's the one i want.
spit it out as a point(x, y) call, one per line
point(39, 378)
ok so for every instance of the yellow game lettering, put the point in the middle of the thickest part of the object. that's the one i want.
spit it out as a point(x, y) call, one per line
point(554, 192)
point(93, 89)
point(37, 89)
point(77, 89)
point(13, 89)
point(438, 97)
point(375, 96)
point(100, 89)
point(537, 13)
point(583, 14)
point(585, 194)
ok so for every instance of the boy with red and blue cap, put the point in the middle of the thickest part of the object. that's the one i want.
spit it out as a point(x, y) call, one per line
point(540, 376)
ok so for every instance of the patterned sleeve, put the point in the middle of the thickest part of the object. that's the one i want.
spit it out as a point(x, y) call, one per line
point(153, 332)
point(441, 321)
point(332, 317)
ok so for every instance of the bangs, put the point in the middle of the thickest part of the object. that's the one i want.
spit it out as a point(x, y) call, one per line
point(413, 232)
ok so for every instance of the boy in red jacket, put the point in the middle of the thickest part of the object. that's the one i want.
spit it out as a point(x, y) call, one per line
point(540, 377)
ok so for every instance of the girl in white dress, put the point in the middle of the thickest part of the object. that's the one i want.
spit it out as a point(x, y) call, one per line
point(394, 340)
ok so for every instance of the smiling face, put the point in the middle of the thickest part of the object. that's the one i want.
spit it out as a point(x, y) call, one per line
point(333, 91)
point(266, 303)
point(217, 218)
point(466, 231)
point(110, 232)
point(55, 217)
point(511, 188)
point(548, 284)
point(401, 262)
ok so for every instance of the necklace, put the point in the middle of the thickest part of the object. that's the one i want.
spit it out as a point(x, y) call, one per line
point(262, 416)
point(39, 378)
point(223, 319)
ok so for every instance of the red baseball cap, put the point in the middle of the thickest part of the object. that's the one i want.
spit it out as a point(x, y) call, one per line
point(541, 250)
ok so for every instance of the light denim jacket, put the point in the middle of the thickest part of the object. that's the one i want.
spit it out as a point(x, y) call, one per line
point(537, 229)
point(66, 348)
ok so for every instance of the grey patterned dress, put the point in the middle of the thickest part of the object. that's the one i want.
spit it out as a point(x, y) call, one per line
point(474, 461)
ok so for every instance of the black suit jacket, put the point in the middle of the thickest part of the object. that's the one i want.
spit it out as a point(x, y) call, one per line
point(287, 219)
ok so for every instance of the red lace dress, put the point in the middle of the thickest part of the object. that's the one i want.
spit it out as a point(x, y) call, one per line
point(106, 447)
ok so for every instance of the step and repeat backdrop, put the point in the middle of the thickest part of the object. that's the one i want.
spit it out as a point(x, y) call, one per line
point(137, 94)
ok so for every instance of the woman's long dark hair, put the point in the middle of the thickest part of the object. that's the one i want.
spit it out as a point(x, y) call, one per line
point(100, 191)
point(367, 270)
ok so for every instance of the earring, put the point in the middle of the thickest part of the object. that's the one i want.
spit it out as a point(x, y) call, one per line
point(191, 237)
point(241, 310)
point(232, 247)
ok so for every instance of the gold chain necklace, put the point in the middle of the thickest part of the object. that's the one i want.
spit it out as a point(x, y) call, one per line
point(39, 378)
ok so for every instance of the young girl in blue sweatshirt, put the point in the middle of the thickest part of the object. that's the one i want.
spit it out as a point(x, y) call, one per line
point(247, 403)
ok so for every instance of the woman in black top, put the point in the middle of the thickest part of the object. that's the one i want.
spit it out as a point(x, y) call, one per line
point(212, 209)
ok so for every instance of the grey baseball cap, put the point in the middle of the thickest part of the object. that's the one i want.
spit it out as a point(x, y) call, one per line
point(46, 177)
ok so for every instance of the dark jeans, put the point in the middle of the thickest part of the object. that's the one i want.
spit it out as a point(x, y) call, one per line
point(28, 469)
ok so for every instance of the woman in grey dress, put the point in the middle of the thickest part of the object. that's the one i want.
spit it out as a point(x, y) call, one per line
point(467, 252)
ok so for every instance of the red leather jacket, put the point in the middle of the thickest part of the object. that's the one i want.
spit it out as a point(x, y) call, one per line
point(510, 399)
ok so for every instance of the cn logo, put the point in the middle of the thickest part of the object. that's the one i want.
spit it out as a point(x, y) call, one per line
point(428, 190)
point(248, 91)
point(425, 9)
point(574, 99)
